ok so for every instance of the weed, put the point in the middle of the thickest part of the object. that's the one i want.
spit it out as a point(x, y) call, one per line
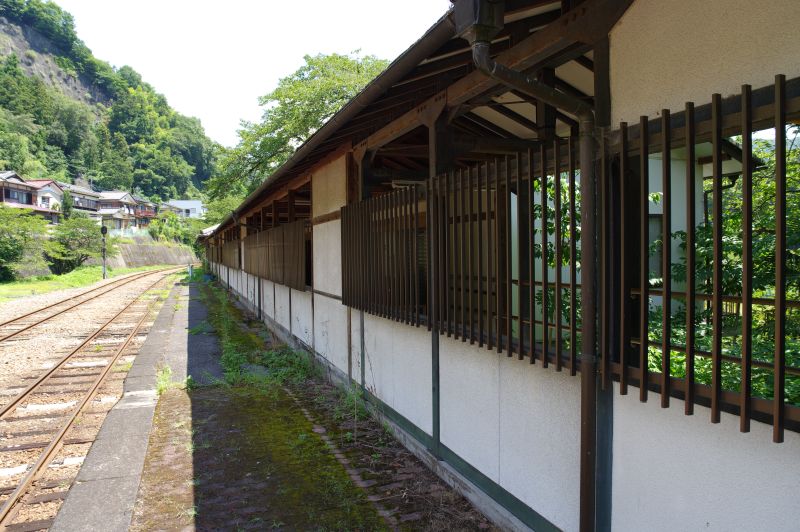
point(350, 406)
point(124, 367)
point(190, 512)
point(163, 379)
point(201, 328)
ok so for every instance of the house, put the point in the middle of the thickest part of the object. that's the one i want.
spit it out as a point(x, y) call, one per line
point(83, 198)
point(49, 194)
point(117, 209)
point(17, 193)
point(483, 244)
point(189, 208)
point(166, 207)
point(145, 211)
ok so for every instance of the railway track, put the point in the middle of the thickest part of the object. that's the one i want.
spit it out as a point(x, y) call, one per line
point(15, 326)
point(47, 427)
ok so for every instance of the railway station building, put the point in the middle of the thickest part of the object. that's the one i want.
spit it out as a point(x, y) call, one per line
point(516, 242)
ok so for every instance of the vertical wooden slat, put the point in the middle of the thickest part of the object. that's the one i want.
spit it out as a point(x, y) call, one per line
point(471, 252)
point(381, 224)
point(407, 271)
point(490, 256)
point(690, 258)
point(531, 262)
point(442, 205)
point(385, 286)
point(779, 390)
point(557, 207)
point(625, 293)
point(448, 256)
point(507, 251)
point(573, 257)
point(543, 203)
point(498, 250)
point(644, 259)
point(436, 288)
point(479, 216)
point(716, 304)
point(747, 258)
point(415, 251)
point(402, 269)
point(463, 249)
point(458, 278)
point(520, 262)
point(429, 251)
point(666, 255)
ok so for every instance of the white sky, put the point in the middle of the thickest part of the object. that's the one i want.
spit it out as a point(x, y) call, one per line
point(213, 59)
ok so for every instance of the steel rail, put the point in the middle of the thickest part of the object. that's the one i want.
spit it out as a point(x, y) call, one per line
point(127, 280)
point(21, 397)
point(55, 444)
point(31, 313)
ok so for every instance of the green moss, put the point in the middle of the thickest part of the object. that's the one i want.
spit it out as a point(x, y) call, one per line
point(242, 346)
point(306, 487)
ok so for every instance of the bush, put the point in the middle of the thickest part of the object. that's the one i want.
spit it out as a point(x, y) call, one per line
point(74, 242)
point(21, 233)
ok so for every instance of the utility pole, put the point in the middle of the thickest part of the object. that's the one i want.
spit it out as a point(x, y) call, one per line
point(103, 231)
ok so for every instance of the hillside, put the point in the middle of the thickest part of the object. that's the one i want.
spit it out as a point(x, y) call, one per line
point(66, 114)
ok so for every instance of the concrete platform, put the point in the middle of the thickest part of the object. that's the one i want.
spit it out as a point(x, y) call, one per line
point(104, 493)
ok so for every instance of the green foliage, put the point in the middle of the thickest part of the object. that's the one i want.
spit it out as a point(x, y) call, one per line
point(73, 242)
point(763, 339)
point(135, 142)
point(66, 204)
point(21, 234)
point(170, 227)
point(298, 107)
point(219, 208)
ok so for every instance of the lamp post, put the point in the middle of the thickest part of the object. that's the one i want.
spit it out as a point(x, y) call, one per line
point(103, 231)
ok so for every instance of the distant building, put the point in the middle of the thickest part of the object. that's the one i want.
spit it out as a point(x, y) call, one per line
point(49, 194)
point(15, 192)
point(145, 211)
point(189, 208)
point(83, 198)
point(117, 209)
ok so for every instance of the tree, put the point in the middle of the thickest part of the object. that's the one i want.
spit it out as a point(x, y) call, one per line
point(298, 107)
point(74, 242)
point(21, 233)
point(66, 204)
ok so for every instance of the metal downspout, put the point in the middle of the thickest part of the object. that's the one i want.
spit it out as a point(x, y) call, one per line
point(585, 114)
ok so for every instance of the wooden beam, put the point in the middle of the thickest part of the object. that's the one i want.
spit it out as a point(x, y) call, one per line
point(588, 23)
point(422, 115)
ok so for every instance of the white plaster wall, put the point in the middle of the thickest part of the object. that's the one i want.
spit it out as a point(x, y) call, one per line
point(469, 382)
point(328, 257)
point(330, 331)
point(678, 472)
point(398, 368)
point(302, 317)
point(355, 346)
point(268, 294)
point(539, 439)
point(329, 187)
point(282, 306)
point(664, 54)
point(518, 424)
